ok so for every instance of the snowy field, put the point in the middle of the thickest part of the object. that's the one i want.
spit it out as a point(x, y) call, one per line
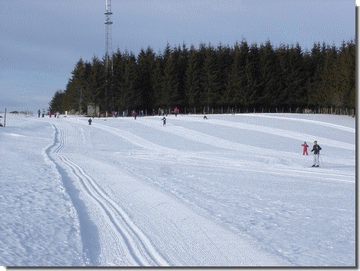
point(231, 190)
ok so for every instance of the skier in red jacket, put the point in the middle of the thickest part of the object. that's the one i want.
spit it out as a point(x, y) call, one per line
point(305, 146)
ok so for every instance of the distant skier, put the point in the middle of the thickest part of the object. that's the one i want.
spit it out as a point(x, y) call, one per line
point(205, 118)
point(316, 149)
point(39, 112)
point(305, 146)
point(164, 120)
point(43, 113)
point(90, 121)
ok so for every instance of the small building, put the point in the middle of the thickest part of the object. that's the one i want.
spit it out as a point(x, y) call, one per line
point(92, 110)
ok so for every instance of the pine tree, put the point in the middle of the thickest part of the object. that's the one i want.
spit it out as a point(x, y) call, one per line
point(157, 81)
point(236, 89)
point(56, 103)
point(171, 80)
point(294, 75)
point(79, 83)
point(86, 92)
point(143, 97)
point(128, 83)
point(271, 76)
point(182, 68)
point(210, 78)
point(253, 76)
point(192, 80)
point(327, 88)
point(97, 83)
point(118, 72)
point(350, 92)
point(73, 94)
point(234, 81)
point(345, 76)
point(315, 68)
point(224, 63)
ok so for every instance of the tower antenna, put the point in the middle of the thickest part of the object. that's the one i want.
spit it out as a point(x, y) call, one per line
point(108, 39)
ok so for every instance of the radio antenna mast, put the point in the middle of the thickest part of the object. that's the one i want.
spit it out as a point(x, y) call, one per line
point(108, 39)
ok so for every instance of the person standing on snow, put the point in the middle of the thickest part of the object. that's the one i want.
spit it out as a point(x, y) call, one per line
point(316, 149)
point(305, 146)
point(164, 120)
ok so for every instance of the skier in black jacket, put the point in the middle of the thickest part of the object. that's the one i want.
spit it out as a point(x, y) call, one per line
point(316, 149)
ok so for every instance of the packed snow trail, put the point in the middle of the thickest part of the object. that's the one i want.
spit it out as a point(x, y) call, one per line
point(231, 190)
point(125, 240)
point(280, 163)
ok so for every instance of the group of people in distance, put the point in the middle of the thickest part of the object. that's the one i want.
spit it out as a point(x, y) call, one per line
point(316, 149)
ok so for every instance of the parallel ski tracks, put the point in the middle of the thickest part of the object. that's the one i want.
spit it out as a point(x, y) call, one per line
point(242, 165)
point(129, 239)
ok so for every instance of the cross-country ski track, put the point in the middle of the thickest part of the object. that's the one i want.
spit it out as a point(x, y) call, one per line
point(129, 243)
point(230, 190)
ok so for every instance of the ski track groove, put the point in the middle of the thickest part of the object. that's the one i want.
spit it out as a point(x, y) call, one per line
point(56, 146)
point(138, 245)
point(62, 138)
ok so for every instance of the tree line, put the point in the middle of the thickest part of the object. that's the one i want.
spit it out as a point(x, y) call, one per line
point(241, 76)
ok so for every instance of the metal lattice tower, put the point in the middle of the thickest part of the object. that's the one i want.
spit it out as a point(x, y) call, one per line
point(108, 23)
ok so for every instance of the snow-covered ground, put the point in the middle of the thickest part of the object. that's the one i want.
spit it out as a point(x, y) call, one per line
point(231, 190)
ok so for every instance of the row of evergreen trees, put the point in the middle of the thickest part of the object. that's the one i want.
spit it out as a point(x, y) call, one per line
point(242, 76)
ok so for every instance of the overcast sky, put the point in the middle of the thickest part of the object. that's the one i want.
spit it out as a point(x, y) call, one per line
point(41, 40)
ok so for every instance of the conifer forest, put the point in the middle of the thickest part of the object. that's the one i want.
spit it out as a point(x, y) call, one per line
point(222, 79)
